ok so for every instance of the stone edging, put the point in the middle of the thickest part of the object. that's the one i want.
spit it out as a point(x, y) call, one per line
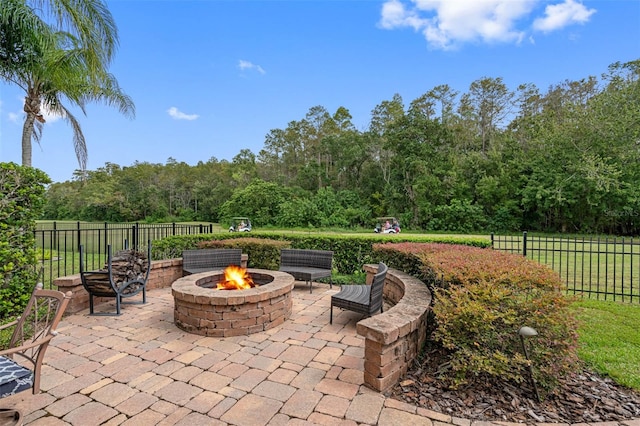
point(393, 339)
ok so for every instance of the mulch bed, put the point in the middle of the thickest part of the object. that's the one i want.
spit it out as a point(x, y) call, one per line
point(585, 397)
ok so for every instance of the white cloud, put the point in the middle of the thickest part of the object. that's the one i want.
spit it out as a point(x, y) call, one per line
point(394, 14)
point(246, 65)
point(49, 116)
point(558, 16)
point(446, 24)
point(14, 117)
point(179, 115)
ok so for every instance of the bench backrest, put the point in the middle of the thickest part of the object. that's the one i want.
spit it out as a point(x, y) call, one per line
point(211, 258)
point(321, 259)
point(375, 296)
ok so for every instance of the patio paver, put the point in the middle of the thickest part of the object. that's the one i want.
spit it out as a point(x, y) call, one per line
point(139, 369)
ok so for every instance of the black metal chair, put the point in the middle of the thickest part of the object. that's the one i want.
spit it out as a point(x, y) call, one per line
point(104, 283)
point(362, 298)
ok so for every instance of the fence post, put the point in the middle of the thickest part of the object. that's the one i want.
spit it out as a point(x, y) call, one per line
point(135, 237)
point(524, 243)
point(492, 246)
point(54, 237)
point(78, 231)
point(106, 237)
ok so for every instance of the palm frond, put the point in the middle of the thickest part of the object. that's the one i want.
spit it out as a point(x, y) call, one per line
point(90, 20)
point(79, 142)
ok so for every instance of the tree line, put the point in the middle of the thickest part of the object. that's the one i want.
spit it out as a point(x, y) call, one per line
point(490, 159)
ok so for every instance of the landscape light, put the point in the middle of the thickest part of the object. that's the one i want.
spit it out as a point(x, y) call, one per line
point(529, 332)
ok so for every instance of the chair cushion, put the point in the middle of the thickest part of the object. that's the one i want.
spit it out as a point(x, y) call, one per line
point(354, 297)
point(14, 378)
point(306, 273)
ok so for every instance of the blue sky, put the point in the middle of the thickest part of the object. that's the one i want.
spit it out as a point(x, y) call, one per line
point(210, 78)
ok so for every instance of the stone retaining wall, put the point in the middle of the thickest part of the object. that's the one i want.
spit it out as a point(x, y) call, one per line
point(394, 338)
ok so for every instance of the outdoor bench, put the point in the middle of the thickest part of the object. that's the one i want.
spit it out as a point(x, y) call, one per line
point(203, 260)
point(307, 265)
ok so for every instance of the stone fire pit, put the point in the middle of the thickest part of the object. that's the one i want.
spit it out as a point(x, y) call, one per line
point(202, 309)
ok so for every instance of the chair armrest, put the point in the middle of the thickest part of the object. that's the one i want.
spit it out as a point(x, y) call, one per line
point(9, 324)
point(23, 348)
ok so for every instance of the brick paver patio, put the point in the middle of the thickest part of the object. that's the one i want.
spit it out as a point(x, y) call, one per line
point(139, 369)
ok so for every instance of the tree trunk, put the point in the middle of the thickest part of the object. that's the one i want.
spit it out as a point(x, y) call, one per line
point(27, 133)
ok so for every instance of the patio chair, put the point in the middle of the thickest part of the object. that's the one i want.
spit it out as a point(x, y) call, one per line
point(21, 362)
point(203, 260)
point(362, 298)
point(10, 417)
point(307, 265)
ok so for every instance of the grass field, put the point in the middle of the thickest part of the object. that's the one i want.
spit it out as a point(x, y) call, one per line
point(609, 339)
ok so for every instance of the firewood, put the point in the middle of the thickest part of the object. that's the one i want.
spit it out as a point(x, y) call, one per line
point(126, 266)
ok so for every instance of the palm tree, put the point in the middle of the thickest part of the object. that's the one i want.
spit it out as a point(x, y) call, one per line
point(64, 75)
point(55, 67)
point(89, 20)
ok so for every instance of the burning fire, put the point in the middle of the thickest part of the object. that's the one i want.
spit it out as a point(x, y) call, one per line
point(236, 278)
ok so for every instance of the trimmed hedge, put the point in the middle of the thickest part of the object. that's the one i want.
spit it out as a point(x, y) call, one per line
point(481, 299)
point(351, 251)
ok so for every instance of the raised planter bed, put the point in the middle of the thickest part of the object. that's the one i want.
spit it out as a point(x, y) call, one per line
point(393, 339)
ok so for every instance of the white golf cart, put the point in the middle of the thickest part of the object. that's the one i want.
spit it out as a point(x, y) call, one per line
point(240, 224)
point(387, 225)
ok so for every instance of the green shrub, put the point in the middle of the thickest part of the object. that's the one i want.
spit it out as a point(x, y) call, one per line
point(404, 257)
point(172, 247)
point(350, 252)
point(481, 299)
point(489, 295)
point(458, 216)
point(22, 192)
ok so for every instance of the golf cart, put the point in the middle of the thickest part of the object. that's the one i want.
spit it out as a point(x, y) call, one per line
point(240, 224)
point(387, 225)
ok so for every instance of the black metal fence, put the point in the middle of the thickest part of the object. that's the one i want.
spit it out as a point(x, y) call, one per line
point(59, 243)
point(606, 268)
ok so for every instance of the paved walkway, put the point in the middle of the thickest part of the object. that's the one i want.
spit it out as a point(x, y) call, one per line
point(139, 369)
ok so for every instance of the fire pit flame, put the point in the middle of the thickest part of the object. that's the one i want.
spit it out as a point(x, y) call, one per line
point(236, 278)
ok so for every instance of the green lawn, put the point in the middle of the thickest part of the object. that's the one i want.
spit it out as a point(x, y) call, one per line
point(609, 339)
